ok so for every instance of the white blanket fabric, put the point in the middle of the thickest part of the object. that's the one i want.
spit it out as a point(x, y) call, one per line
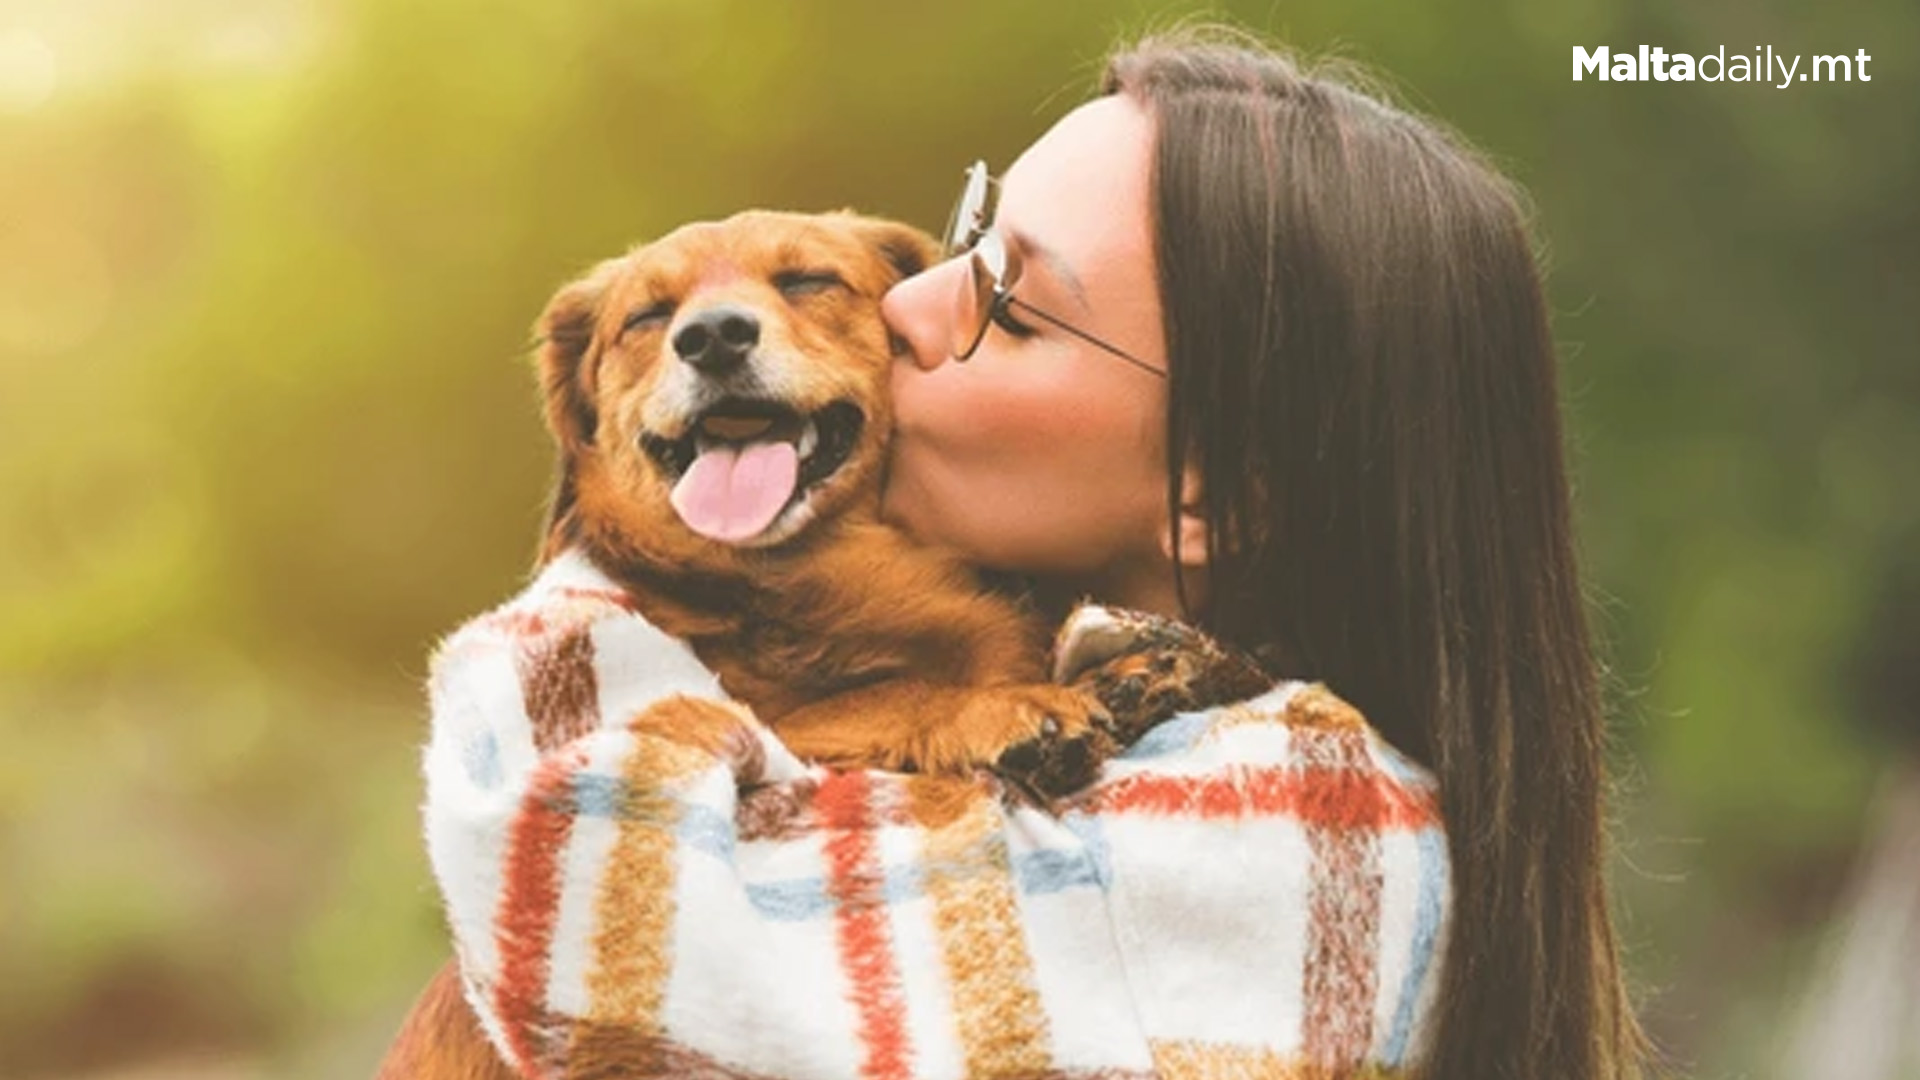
point(642, 881)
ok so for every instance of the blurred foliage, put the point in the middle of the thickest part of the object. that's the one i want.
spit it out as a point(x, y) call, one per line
point(266, 277)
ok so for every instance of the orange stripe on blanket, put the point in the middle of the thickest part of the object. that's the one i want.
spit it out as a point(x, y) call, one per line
point(635, 910)
point(1179, 1059)
point(969, 876)
point(856, 879)
point(523, 927)
point(1330, 797)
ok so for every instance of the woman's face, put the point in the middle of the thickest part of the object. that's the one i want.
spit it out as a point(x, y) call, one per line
point(1042, 453)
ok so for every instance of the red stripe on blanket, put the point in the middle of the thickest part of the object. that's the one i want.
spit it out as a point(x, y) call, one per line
point(1338, 798)
point(857, 882)
point(529, 903)
point(617, 597)
point(558, 685)
point(512, 623)
point(1341, 979)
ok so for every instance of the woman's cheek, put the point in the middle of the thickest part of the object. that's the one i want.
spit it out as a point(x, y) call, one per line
point(921, 457)
point(909, 408)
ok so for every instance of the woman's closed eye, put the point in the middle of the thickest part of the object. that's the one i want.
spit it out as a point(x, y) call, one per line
point(1002, 315)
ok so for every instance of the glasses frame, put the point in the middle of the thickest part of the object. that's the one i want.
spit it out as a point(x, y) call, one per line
point(993, 269)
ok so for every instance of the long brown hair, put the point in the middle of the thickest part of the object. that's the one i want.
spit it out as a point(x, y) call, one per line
point(1362, 370)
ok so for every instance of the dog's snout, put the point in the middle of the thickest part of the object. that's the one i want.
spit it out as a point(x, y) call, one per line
point(718, 339)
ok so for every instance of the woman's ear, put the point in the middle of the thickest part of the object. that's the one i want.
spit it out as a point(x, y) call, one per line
point(1190, 523)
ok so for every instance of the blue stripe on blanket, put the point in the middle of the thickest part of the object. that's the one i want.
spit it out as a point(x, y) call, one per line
point(1093, 840)
point(800, 899)
point(1170, 736)
point(481, 755)
point(1052, 871)
point(1038, 872)
point(790, 901)
point(706, 829)
point(1398, 766)
point(1426, 926)
point(701, 828)
point(601, 796)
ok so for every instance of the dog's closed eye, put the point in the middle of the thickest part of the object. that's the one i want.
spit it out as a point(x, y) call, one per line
point(797, 283)
point(650, 317)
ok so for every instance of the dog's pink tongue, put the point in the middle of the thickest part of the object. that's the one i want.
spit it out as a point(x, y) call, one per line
point(732, 493)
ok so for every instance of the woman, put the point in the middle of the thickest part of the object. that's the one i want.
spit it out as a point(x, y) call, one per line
point(1357, 387)
point(1245, 346)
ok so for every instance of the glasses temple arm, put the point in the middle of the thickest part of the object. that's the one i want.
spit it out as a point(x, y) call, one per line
point(1082, 335)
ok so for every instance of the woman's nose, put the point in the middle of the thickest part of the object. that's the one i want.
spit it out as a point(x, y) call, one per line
point(919, 311)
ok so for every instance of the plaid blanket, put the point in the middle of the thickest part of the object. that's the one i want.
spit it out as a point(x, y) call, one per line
point(642, 881)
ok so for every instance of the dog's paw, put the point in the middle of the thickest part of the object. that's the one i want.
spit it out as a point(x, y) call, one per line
point(1054, 764)
point(1046, 740)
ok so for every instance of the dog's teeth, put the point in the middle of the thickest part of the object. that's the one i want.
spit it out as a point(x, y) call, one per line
point(809, 438)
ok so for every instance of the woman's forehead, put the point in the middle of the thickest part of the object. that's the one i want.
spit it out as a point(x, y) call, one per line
point(1081, 189)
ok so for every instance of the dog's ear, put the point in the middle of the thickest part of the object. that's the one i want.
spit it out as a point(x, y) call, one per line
point(907, 249)
point(563, 339)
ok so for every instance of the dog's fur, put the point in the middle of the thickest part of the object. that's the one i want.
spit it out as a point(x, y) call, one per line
point(856, 645)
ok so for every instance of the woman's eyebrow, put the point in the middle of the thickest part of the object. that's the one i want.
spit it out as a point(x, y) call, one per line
point(1061, 269)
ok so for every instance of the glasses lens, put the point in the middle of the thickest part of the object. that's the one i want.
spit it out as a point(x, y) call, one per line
point(986, 269)
point(969, 311)
point(968, 213)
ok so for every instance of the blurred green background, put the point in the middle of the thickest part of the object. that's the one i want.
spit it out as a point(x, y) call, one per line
point(267, 270)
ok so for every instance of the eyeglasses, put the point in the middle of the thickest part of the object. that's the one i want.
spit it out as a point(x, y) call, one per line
point(993, 269)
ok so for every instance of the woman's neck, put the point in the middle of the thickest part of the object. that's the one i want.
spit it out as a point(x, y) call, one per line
point(1151, 590)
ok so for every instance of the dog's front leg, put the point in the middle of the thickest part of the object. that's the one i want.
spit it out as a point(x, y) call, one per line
point(1057, 735)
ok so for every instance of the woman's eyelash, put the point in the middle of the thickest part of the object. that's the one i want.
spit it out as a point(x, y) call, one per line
point(1002, 317)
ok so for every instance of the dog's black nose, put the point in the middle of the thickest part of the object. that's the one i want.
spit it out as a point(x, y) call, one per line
point(717, 339)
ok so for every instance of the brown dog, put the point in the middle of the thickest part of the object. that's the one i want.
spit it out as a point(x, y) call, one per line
point(720, 402)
